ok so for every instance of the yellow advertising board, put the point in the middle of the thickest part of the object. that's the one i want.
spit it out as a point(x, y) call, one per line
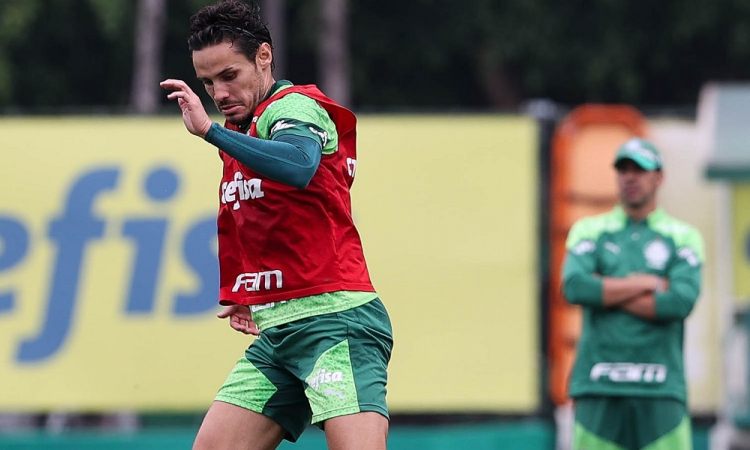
point(447, 209)
point(108, 270)
point(741, 241)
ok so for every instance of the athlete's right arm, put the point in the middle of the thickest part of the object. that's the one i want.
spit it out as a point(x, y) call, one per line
point(580, 283)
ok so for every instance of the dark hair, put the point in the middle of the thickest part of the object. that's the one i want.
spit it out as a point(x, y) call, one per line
point(233, 21)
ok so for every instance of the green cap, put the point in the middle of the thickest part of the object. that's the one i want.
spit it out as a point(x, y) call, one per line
point(642, 152)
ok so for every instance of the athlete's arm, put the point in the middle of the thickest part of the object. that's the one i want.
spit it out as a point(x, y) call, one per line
point(684, 288)
point(644, 306)
point(287, 158)
point(685, 277)
point(590, 289)
point(676, 300)
point(240, 319)
point(580, 284)
point(617, 291)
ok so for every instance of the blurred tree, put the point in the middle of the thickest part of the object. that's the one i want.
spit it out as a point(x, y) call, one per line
point(402, 54)
point(442, 53)
point(147, 64)
point(59, 53)
point(274, 11)
point(16, 17)
point(333, 51)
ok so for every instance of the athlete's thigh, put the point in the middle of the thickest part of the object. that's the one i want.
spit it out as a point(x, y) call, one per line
point(258, 383)
point(228, 427)
point(601, 423)
point(661, 424)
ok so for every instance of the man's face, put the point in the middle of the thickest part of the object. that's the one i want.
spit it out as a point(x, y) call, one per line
point(235, 84)
point(637, 186)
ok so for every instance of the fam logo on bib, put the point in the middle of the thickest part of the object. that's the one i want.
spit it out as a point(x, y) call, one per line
point(657, 254)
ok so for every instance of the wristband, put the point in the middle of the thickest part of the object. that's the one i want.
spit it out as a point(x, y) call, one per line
point(659, 286)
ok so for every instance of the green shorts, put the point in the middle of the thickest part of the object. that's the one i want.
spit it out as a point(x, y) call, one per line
point(631, 423)
point(314, 369)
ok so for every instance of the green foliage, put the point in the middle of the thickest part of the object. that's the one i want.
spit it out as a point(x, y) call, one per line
point(16, 17)
point(498, 53)
point(112, 22)
point(406, 54)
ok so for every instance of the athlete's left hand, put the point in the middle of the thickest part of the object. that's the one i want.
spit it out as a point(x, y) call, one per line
point(194, 114)
point(240, 319)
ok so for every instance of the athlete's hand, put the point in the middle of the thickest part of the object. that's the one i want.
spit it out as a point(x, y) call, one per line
point(662, 285)
point(194, 115)
point(240, 319)
point(650, 283)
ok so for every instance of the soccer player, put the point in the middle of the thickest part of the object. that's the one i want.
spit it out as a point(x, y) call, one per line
point(291, 262)
point(636, 272)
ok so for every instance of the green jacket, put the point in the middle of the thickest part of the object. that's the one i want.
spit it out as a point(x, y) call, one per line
point(620, 353)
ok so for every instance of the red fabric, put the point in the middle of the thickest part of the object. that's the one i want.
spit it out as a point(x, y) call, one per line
point(277, 242)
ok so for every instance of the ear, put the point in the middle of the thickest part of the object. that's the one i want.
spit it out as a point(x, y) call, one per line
point(659, 177)
point(264, 55)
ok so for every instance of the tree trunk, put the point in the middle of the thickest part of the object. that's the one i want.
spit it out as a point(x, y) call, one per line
point(149, 43)
point(333, 54)
point(274, 12)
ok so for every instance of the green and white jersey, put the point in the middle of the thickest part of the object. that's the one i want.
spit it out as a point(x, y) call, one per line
point(299, 115)
point(620, 353)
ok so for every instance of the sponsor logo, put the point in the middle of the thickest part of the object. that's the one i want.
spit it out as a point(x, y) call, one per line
point(612, 247)
point(324, 376)
point(626, 372)
point(262, 306)
point(255, 281)
point(688, 255)
point(351, 166)
point(634, 146)
point(322, 134)
point(657, 254)
point(240, 189)
point(583, 247)
point(332, 392)
point(281, 125)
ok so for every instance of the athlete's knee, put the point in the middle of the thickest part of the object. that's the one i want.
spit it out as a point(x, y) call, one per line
point(361, 431)
point(228, 427)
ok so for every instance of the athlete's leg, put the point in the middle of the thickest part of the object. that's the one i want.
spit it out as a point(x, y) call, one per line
point(601, 423)
point(342, 359)
point(662, 424)
point(228, 427)
point(361, 431)
point(259, 405)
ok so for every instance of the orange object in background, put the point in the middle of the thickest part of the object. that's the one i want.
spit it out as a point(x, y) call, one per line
point(582, 184)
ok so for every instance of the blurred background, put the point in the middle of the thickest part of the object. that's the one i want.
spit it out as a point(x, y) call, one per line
point(486, 128)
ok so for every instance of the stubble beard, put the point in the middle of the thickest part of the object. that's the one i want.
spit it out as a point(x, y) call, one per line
point(637, 203)
point(238, 120)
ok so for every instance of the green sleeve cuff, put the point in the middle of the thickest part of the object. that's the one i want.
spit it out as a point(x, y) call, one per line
point(671, 306)
point(584, 289)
